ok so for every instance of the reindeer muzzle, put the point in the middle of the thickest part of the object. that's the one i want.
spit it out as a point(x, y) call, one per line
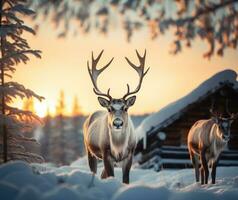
point(225, 138)
point(117, 123)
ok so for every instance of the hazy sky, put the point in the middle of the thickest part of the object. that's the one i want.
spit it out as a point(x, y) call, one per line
point(63, 67)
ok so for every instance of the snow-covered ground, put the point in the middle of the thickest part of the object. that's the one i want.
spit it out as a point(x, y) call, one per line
point(20, 181)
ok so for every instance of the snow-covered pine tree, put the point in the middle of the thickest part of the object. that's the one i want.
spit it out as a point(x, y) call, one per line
point(211, 21)
point(14, 49)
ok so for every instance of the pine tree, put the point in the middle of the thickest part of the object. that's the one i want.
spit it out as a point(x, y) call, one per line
point(77, 135)
point(60, 108)
point(45, 138)
point(14, 49)
point(76, 107)
point(60, 130)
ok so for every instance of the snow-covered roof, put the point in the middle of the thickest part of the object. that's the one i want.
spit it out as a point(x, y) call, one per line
point(171, 112)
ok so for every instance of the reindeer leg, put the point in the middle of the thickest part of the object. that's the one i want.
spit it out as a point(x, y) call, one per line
point(104, 174)
point(214, 167)
point(197, 168)
point(194, 159)
point(204, 165)
point(108, 163)
point(92, 161)
point(195, 164)
point(202, 175)
point(126, 169)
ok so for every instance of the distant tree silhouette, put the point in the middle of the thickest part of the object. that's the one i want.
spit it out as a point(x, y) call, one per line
point(60, 107)
point(60, 139)
point(215, 22)
point(46, 138)
point(76, 107)
point(77, 135)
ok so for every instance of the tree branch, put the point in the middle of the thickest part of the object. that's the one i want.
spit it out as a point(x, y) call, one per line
point(213, 8)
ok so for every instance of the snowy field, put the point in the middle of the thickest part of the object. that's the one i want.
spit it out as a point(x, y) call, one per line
point(21, 181)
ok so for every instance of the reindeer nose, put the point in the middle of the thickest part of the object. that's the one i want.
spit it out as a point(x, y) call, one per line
point(226, 138)
point(117, 123)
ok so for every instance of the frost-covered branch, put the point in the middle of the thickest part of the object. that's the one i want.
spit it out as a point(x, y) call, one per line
point(214, 22)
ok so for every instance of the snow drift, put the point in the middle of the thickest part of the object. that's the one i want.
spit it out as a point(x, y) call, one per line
point(21, 181)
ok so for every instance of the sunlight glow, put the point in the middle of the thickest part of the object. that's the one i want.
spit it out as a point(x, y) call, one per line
point(40, 109)
point(63, 67)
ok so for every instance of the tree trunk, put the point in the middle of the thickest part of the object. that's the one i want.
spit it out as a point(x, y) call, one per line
point(62, 138)
point(3, 111)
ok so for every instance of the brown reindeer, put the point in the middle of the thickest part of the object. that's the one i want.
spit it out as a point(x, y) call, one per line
point(109, 135)
point(206, 140)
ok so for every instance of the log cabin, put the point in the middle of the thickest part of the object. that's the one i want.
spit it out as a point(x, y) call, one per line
point(163, 135)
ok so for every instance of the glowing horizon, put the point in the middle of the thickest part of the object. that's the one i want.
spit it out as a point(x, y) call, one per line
point(63, 67)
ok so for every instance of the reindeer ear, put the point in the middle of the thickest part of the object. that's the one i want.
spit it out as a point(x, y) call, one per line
point(233, 117)
point(130, 101)
point(103, 102)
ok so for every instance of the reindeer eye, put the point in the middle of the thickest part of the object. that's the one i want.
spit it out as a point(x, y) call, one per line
point(111, 109)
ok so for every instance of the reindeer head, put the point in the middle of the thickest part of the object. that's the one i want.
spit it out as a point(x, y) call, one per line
point(117, 108)
point(224, 124)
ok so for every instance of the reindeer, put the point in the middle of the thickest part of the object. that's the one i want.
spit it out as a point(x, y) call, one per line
point(109, 135)
point(206, 140)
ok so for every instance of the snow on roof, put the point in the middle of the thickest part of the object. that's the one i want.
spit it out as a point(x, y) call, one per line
point(170, 111)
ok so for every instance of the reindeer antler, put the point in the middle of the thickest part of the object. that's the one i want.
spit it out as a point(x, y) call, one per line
point(211, 110)
point(232, 116)
point(94, 73)
point(140, 70)
point(227, 108)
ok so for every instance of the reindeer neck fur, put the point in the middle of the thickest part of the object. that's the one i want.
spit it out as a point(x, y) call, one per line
point(119, 140)
point(216, 136)
point(217, 143)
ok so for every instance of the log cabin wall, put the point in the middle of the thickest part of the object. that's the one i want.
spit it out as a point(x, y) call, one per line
point(177, 131)
point(200, 110)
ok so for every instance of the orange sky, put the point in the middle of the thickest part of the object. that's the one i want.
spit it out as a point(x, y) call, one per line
point(63, 66)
